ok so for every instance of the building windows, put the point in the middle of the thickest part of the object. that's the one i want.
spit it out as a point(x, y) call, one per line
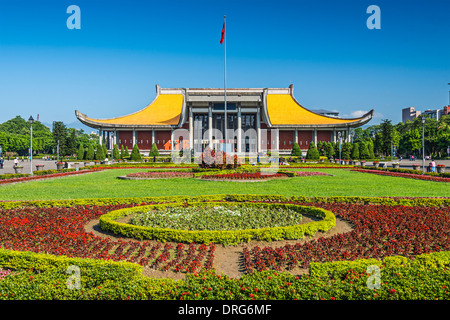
point(221, 106)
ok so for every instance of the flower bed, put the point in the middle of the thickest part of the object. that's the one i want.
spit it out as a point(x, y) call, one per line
point(245, 176)
point(158, 175)
point(22, 178)
point(381, 234)
point(310, 174)
point(60, 231)
point(378, 231)
point(405, 175)
point(295, 231)
point(217, 217)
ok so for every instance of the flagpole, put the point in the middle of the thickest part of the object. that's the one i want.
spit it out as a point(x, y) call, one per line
point(225, 79)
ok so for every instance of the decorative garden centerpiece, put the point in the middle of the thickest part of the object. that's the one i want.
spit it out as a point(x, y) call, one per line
point(217, 222)
point(157, 175)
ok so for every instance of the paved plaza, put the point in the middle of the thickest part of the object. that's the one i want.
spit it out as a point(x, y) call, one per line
point(48, 164)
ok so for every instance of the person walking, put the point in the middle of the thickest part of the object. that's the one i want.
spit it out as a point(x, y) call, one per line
point(433, 166)
point(1, 162)
point(16, 162)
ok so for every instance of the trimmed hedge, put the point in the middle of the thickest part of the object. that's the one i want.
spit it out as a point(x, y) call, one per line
point(107, 222)
point(425, 278)
point(428, 202)
point(38, 276)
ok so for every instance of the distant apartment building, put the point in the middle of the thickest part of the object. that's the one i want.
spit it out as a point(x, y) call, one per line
point(409, 114)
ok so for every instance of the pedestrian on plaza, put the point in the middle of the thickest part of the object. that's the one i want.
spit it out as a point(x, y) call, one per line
point(16, 162)
point(433, 166)
point(1, 162)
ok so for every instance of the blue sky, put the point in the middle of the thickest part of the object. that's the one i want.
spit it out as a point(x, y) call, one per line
point(124, 48)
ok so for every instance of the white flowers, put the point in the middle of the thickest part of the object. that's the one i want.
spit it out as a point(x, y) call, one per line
point(217, 217)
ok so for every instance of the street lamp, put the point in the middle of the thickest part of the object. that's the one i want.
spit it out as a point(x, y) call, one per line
point(31, 120)
point(423, 145)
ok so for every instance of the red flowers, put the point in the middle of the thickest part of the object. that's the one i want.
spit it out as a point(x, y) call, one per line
point(378, 231)
point(244, 176)
point(60, 231)
point(405, 175)
point(36, 177)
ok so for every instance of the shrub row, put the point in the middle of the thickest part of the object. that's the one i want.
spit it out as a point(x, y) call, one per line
point(227, 237)
point(424, 278)
point(38, 276)
point(405, 201)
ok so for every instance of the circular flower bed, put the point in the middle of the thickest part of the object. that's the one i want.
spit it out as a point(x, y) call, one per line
point(245, 176)
point(210, 230)
point(157, 175)
point(309, 174)
point(217, 217)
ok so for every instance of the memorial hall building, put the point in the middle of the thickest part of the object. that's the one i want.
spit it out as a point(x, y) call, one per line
point(261, 119)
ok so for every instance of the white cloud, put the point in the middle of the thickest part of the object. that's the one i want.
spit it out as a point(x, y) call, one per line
point(357, 113)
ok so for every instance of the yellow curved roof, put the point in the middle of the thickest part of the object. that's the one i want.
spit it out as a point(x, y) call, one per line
point(164, 110)
point(282, 109)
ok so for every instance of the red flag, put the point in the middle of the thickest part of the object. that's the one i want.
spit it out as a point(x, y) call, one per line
point(223, 33)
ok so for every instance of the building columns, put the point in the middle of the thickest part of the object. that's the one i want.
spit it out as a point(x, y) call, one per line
point(258, 130)
point(134, 137)
point(191, 130)
point(239, 133)
point(315, 136)
point(210, 126)
point(100, 136)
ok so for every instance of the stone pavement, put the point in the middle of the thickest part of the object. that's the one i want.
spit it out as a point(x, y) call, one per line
point(48, 164)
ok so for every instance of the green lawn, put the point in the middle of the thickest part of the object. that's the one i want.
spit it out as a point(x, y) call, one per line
point(105, 184)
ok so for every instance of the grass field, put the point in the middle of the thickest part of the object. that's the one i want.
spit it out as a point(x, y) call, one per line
point(105, 184)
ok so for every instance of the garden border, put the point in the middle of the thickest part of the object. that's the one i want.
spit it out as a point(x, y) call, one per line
point(405, 201)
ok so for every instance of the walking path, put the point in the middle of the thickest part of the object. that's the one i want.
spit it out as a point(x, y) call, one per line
point(48, 164)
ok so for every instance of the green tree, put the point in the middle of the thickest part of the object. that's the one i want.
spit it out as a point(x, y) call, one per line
point(346, 150)
point(105, 151)
point(329, 149)
point(296, 151)
point(90, 152)
point(370, 148)
point(80, 154)
point(154, 151)
point(355, 151)
point(363, 150)
point(115, 152)
point(60, 133)
point(122, 152)
point(100, 155)
point(126, 153)
point(411, 141)
point(71, 142)
point(313, 153)
point(135, 154)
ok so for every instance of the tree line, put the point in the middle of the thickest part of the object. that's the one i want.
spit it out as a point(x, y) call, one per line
point(386, 139)
point(15, 138)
